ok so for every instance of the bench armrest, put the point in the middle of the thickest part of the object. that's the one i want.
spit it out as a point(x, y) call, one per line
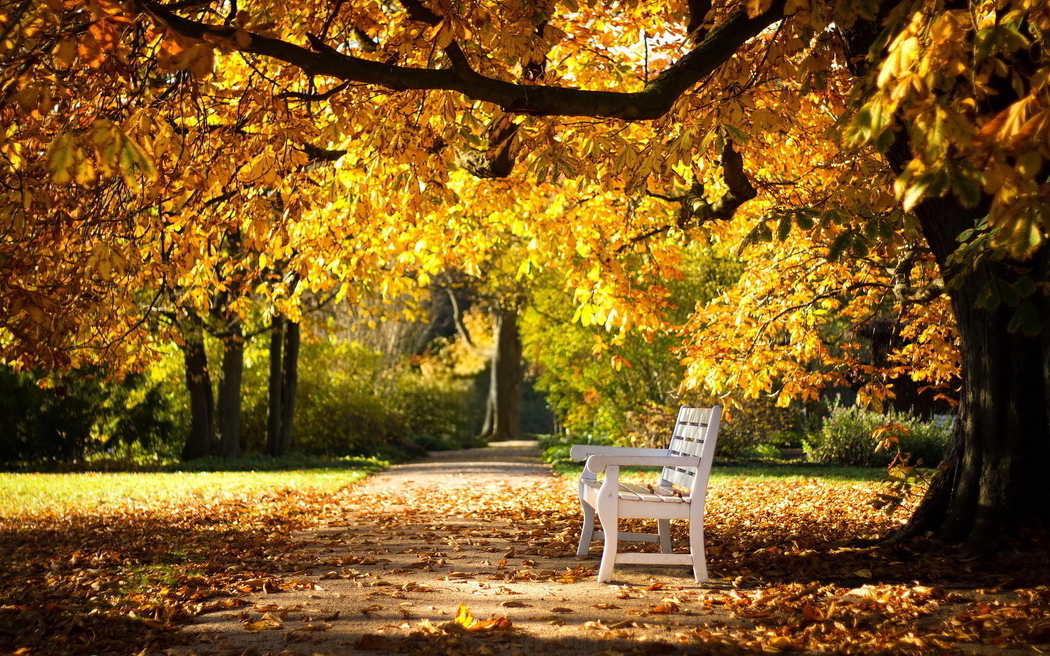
point(598, 462)
point(582, 451)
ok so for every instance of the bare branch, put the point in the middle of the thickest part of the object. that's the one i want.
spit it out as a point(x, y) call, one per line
point(698, 10)
point(903, 289)
point(696, 210)
point(457, 318)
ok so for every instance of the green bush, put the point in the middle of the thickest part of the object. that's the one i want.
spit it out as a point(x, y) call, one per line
point(556, 447)
point(752, 427)
point(846, 438)
point(756, 425)
point(352, 401)
point(79, 415)
point(437, 413)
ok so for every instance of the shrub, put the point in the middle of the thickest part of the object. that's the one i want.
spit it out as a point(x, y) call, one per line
point(352, 401)
point(79, 415)
point(556, 447)
point(437, 413)
point(754, 425)
point(846, 438)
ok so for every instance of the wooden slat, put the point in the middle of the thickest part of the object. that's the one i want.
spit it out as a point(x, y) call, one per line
point(654, 559)
point(688, 438)
point(657, 495)
point(632, 492)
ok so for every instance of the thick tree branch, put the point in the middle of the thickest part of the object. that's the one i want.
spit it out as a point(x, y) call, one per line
point(498, 161)
point(652, 102)
point(318, 154)
point(902, 285)
point(457, 319)
point(697, 12)
point(695, 210)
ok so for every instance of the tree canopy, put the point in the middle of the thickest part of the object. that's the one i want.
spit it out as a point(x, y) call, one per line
point(871, 161)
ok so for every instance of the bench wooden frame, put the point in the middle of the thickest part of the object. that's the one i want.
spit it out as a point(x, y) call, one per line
point(686, 463)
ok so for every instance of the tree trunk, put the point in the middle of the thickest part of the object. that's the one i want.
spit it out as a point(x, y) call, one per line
point(503, 408)
point(993, 479)
point(290, 381)
point(998, 475)
point(275, 401)
point(198, 385)
point(230, 394)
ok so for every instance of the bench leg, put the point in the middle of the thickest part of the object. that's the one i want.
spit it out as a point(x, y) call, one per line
point(609, 516)
point(587, 534)
point(696, 550)
point(665, 535)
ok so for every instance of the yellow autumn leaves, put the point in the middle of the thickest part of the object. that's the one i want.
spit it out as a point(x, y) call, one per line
point(101, 150)
point(940, 71)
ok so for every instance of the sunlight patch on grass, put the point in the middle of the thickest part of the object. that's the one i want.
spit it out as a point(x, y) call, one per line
point(49, 494)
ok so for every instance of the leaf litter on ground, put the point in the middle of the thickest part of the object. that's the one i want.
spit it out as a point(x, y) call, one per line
point(127, 579)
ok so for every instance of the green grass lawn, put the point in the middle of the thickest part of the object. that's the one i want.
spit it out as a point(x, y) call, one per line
point(756, 470)
point(33, 494)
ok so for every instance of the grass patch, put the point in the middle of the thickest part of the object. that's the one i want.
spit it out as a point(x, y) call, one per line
point(752, 470)
point(51, 494)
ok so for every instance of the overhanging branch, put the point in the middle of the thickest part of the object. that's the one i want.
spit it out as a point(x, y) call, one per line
point(695, 210)
point(655, 100)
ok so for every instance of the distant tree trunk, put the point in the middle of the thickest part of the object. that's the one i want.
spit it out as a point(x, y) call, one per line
point(290, 381)
point(230, 393)
point(503, 408)
point(275, 402)
point(198, 385)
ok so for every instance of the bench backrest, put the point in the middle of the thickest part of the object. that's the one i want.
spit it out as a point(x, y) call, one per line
point(695, 434)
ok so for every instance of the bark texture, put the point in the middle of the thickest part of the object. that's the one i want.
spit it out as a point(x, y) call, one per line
point(656, 99)
point(999, 476)
point(198, 386)
point(993, 478)
point(289, 383)
point(283, 381)
point(230, 394)
point(503, 407)
point(275, 397)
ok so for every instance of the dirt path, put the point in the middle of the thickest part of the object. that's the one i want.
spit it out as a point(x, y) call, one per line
point(389, 562)
point(489, 528)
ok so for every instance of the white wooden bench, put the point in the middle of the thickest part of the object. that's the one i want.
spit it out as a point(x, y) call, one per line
point(686, 463)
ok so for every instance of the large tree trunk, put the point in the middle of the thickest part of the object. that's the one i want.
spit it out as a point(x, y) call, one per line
point(275, 400)
point(503, 407)
point(993, 478)
point(198, 385)
point(1001, 448)
point(230, 394)
point(290, 381)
